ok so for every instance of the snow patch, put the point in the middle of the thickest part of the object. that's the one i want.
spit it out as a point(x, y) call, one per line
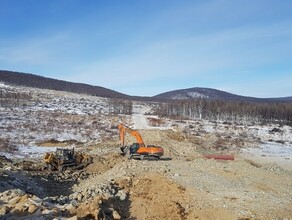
point(270, 153)
point(34, 151)
point(271, 150)
point(188, 95)
point(197, 95)
point(2, 85)
point(179, 96)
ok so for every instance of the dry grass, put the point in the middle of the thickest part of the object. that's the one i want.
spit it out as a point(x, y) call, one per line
point(156, 122)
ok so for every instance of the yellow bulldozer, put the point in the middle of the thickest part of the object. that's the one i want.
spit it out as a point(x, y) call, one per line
point(63, 159)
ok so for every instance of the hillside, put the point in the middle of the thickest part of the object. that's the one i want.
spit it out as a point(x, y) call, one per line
point(34, 81)
point(214, 94)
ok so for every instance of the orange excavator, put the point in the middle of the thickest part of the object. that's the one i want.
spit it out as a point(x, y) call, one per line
point(138, 150)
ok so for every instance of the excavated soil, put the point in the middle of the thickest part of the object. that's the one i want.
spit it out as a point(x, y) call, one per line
point(154, 196)
point(105, 163)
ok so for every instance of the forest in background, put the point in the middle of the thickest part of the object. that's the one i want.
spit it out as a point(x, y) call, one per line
point(242, 112)
point(254, 111)
point(215, 110)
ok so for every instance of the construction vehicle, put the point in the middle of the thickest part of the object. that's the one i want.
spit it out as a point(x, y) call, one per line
point(138, 150)
point(63, 159)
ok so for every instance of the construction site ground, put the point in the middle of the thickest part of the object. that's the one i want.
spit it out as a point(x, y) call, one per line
point(182, 185)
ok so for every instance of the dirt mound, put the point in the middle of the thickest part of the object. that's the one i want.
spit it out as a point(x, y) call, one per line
point(102, 164)
point(154, 197)
point(57, 143)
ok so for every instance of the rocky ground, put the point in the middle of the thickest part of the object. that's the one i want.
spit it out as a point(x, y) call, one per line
point(182, 185)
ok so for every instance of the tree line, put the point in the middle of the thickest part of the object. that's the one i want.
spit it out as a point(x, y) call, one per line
point(119, 106)
point(228, 111)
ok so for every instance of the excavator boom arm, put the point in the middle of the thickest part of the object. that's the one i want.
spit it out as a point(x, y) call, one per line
point(123, 129)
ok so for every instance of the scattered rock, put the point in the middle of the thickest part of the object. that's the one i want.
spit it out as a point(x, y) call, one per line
point(4, 210)
point(32, 208)
point(121, 195)
point(274, 130)
point(79, 197)
point(116, 215)
point(20, 192)
point(74, 203)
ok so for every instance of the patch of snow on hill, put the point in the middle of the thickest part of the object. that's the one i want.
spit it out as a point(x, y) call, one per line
point(178, 96)
point(188, 95)
point(197, 95)
point(2, 85)
point(47, 115)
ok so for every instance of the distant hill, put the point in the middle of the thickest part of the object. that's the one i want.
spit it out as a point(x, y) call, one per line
point(214, 94)
point(35, 81)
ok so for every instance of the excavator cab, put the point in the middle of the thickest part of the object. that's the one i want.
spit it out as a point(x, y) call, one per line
point(134, 148)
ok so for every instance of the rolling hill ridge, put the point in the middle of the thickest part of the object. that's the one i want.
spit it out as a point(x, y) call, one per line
point(214, 94)
point(35, 81)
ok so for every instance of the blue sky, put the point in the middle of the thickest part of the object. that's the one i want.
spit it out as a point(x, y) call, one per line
point(148, 47)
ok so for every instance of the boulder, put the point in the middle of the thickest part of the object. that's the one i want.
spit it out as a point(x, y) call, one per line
point(74, 203)
point(72, 218)
point(4, 210)
point(121, 195)
point(35, 200)
point(20, 208)
point(79, 197)
point(108, 211)
point(32, 208)
point(20, 192)
point(14, 201)
point(70, 206)
point(116, 215)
